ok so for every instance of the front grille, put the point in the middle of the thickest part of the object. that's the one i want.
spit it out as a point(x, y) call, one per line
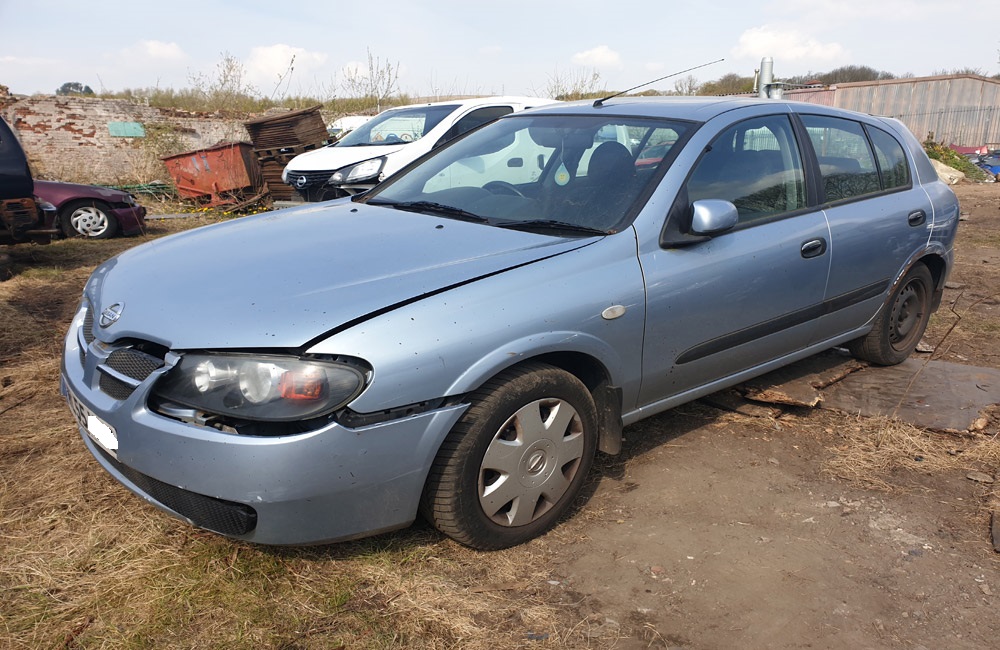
point(87, 330)
point(219, 515)
point(114, 387)
point(88, 325)
point(313, 178)
point(126, 364)
point(133, 363)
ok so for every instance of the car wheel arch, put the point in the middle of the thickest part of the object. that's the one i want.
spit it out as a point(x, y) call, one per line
point(594, 374)
point(938, 267)
point(935, 263)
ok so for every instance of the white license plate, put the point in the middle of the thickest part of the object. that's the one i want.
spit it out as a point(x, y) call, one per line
point(99, 431)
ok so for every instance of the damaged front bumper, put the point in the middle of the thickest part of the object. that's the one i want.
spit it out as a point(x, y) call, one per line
point(330, 484)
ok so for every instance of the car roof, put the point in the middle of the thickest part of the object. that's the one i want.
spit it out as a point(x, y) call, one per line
point(484, 101)
point(698, 109)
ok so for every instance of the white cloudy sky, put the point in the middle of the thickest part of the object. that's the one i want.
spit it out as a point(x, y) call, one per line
point(450, 47)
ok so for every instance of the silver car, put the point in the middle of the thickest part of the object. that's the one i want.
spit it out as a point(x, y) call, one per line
point(461, 340)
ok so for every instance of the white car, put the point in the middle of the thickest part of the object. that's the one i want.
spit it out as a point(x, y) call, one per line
point(389, 141)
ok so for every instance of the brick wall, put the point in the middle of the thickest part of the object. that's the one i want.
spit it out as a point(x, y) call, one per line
point(67, 138)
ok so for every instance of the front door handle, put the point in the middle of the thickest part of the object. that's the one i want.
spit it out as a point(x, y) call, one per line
point(813, 248)
point(917, 218)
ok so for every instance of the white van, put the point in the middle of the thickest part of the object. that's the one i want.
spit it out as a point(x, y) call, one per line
point(389, 141)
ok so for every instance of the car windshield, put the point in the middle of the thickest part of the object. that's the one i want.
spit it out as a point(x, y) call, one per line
point(397, 126)
point(560, 173)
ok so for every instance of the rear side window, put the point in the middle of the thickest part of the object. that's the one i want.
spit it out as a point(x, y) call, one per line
point(846, 161)
point(756, 166)
point(476, 118)
point(893, 168)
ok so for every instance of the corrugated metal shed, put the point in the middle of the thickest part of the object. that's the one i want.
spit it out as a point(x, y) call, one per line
point(957, 109)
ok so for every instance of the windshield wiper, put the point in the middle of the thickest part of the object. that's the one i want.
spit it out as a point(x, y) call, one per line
point(549, 224)
point(430, 207)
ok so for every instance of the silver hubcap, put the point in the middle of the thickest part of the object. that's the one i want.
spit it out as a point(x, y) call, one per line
point(531, 462)
point(89, 221)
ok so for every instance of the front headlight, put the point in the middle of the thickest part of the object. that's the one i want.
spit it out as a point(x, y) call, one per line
point(362, 171)
point(260, 387)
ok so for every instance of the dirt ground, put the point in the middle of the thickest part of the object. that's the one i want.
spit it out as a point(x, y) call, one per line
point(793, 528)
point(719, 530)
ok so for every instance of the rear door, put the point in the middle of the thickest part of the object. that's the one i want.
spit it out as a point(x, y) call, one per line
point(879, 220)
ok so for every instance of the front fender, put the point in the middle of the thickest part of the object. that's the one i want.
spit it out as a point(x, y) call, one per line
point(449, 343)
point(536, 345)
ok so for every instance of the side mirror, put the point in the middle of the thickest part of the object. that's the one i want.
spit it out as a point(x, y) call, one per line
point(712, 216)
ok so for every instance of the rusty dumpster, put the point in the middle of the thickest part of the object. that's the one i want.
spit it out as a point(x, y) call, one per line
point(225, 174)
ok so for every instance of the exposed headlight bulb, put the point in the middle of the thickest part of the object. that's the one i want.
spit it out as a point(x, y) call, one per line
point(258, 381)
point(207, 376)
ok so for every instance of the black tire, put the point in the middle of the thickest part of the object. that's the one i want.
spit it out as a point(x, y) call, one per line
point(497, 481)
point(88, 218)
point(900, 324)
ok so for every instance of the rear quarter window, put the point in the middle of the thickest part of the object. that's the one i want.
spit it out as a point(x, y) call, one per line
point(894, 170)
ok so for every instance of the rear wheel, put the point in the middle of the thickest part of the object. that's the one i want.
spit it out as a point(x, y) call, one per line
point(901, 322)
point(516, 461)
point(90, 219)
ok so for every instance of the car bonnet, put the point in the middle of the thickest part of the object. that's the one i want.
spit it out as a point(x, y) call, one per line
point(336, 157)
point(282, 279)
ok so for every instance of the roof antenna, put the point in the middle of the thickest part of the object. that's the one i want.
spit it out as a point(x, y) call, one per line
point(600, 102)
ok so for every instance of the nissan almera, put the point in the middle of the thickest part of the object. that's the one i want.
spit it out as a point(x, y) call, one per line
point(462, 340)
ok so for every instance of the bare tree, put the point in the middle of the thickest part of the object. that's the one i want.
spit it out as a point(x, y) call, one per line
point(579, 84)
point(852, 73)
point(967, 70)
point(378, 82)
point(284, 78)
point(727, 84)
point(686, 86)
point(228, 91)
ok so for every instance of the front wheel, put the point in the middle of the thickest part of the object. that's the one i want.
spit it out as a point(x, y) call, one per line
point(91, 219)
point(516, 461)
point(900, 324)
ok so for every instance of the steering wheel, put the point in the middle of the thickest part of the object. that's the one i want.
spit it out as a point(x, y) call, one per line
point(503, 187)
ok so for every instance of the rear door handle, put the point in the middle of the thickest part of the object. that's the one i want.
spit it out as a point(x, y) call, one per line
point(813, 248)
point(917, 218)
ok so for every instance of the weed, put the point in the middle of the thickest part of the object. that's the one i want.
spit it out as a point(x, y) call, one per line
point(950, 157)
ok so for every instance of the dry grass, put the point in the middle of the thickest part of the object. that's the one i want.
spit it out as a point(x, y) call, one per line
point(873, 449)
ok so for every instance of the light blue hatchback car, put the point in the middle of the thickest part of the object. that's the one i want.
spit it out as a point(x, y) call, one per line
point(461, 340)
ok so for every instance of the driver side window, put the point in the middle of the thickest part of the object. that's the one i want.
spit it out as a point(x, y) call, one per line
point(755, 165)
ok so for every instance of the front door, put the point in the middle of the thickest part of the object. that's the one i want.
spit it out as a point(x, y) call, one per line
point(743, 297)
